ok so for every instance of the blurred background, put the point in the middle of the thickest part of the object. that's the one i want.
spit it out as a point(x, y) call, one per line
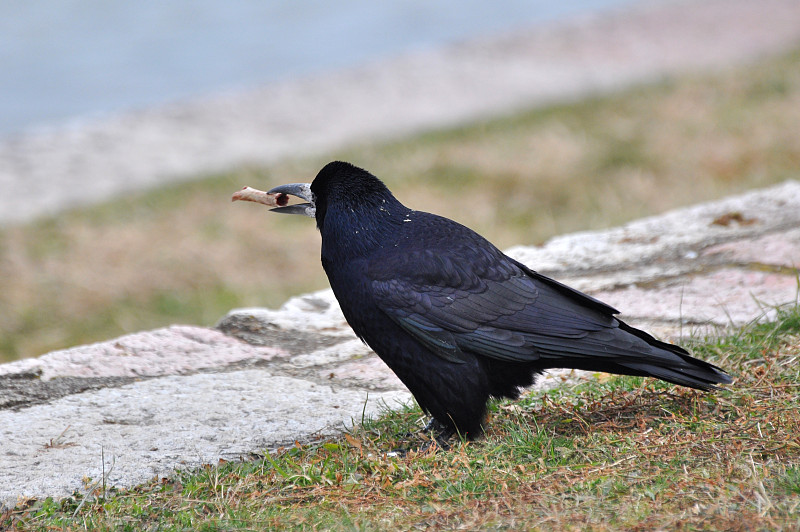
point(86, 258)
point(79, 58)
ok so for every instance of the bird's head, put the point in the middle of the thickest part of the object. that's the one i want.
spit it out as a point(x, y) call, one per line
point(344, 185)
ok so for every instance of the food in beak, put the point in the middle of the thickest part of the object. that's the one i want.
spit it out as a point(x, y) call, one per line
point(259, 196)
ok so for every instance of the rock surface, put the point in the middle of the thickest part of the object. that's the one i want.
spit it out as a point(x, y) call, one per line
point(145, 404)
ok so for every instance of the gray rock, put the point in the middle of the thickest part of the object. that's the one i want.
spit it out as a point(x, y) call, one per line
point(149, 428)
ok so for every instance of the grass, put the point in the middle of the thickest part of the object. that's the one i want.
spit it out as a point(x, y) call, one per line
point(605, 454)
point(184, 253)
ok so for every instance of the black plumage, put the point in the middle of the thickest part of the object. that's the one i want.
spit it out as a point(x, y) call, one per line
point(457, 320)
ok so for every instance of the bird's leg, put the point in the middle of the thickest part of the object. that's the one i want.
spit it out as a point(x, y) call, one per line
point(433, 425)
point(440, 435)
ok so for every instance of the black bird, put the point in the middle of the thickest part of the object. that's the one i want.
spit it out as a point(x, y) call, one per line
point(456, 319)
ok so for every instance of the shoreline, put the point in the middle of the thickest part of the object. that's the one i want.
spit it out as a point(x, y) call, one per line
point(91, 160)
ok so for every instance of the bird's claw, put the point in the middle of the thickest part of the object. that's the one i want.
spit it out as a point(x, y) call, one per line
point(438, 438)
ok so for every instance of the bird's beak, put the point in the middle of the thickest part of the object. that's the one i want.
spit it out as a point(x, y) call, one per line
point(278, 198)
point(300, 190)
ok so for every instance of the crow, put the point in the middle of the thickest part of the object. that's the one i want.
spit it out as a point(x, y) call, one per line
point(456, 319)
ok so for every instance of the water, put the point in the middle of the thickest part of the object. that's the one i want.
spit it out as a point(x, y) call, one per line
point(65, 58)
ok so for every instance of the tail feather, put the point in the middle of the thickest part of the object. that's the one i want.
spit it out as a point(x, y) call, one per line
point(693, 377)
point(681, 369)
point(687, 371)
point(642, 356)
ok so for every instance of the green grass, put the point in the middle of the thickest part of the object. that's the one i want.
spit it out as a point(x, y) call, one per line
point(605, 454)
point(184, 253)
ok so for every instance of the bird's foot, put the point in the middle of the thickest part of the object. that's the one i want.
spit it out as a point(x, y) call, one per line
point(439, 434)
point(432, 445)
point(431, 426)
point(440, 441)
point(435, 426)
point(438, 438)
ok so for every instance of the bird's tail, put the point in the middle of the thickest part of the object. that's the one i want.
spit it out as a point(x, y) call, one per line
point(643, 356)
point(671, 363)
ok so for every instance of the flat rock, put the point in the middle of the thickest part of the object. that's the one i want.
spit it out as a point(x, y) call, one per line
point(170, 351)
point(146, 429)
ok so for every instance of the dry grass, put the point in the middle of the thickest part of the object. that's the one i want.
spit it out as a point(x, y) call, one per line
point(618, 454)
point(186, 254)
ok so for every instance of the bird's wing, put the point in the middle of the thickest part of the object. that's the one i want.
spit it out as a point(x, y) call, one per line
point(476, 299)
